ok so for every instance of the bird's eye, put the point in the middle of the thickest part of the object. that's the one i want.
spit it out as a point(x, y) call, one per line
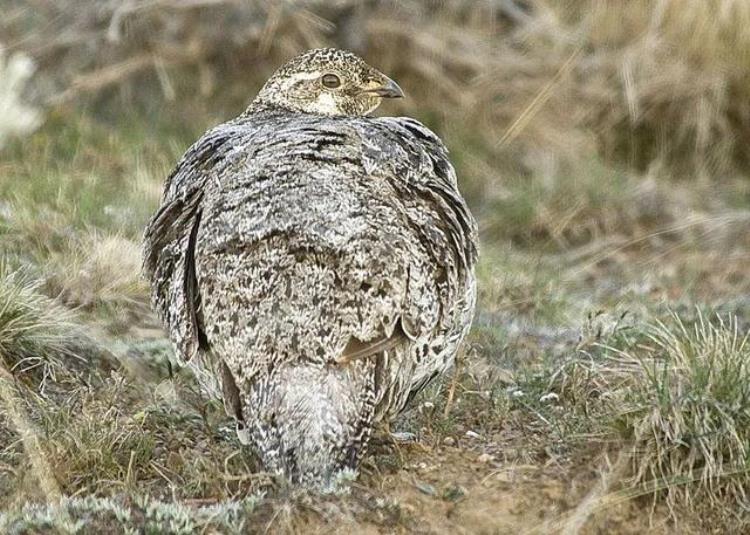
point(331, 81)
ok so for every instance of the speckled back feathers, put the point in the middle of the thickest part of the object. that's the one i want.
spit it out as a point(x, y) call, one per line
point(316, 271)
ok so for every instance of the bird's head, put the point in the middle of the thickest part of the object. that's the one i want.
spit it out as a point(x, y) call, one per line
point(328, 81)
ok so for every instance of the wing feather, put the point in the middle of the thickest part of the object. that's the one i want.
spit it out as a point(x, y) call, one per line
point(169, 243)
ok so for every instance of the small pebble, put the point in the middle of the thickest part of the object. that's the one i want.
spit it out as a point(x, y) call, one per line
point(485, 458)
point(473, 434)
point(426, 488)
point(449, 441)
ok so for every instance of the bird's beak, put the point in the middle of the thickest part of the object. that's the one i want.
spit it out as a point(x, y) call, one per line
point(389, 89)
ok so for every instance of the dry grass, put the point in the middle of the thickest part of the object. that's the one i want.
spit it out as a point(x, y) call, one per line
point(99, 271)
point(669, 398)
point(39, 356)
point(12, 405)
point(640, 80)
point(118, 439)
point(678, 82)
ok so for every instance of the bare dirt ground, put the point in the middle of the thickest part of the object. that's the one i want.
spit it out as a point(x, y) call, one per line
point(452, 489)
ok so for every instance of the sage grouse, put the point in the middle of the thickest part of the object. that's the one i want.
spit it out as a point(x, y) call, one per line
point(314, 266)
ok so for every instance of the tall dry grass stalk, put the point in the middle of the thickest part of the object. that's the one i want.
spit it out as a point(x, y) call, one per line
point(12, 402)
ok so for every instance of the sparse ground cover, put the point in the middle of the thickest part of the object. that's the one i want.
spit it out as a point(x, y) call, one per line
point(604, 388)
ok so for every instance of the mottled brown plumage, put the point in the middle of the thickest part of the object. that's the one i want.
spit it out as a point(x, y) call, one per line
point(313, 265)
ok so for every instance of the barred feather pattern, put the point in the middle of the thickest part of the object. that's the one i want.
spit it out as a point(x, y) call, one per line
point(327, 262)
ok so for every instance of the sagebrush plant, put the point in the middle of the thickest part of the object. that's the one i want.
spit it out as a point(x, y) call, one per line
point(688, 411)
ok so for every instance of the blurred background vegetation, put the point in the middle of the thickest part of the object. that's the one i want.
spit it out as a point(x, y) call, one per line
point(602, 144)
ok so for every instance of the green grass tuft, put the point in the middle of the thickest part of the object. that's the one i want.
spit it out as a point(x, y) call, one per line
point(687, 411)
point(37, 334)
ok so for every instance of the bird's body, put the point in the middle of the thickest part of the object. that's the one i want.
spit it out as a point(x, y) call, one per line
point(316, 270)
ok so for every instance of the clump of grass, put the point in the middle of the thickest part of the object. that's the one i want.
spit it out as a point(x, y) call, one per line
point(98, 271)
point(37, 334)
point(105, 436)
point(688, 412)
point(44, 357)
point(36, 338)
point(86, 269)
